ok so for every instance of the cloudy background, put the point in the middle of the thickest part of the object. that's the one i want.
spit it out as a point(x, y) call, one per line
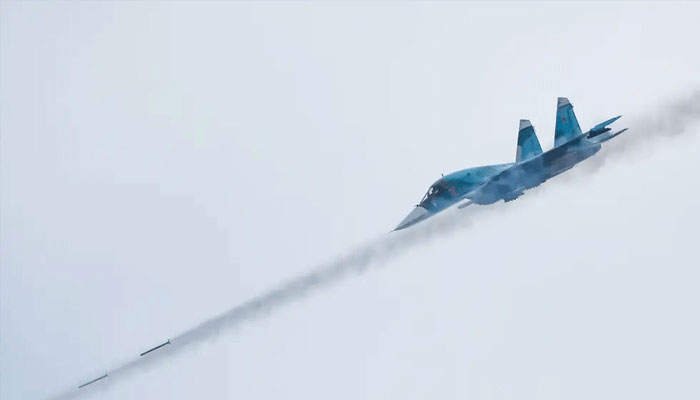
point(161, 163)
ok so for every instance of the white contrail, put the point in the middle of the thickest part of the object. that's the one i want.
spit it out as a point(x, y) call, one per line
point(671, 120)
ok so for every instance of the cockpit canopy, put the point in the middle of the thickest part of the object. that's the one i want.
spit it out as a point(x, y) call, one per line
point(440, 189)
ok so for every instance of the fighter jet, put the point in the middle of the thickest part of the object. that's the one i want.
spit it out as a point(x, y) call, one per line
point(491, 183)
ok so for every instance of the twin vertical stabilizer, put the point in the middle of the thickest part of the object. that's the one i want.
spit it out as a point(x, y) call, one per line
point(567, 126)
point(528, 144)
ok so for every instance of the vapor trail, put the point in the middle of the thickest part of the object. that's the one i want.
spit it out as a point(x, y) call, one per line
point(668, 121)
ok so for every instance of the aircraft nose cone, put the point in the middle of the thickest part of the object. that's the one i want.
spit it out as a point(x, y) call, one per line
point(418, 214)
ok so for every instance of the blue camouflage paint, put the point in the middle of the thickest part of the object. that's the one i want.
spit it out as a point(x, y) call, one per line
point(453, 187)
point(528, 144)
point(491, 183)
point(566, 127)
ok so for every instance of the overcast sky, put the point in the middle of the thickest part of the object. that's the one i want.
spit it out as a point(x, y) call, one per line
point(161, 163)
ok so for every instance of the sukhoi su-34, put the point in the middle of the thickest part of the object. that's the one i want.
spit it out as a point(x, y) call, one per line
point(491, 183)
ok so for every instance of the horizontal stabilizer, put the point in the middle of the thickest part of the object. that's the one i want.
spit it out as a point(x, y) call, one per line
point(602, 127)
point(607, 136)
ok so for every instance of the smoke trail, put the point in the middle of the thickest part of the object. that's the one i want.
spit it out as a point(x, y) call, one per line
point(671, 120)
point(355, 262)
point(676, 118)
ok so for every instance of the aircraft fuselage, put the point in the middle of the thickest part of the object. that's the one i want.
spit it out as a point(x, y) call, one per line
point(511, 183)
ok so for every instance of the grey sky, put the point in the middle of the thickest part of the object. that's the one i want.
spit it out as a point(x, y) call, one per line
point(163, 162)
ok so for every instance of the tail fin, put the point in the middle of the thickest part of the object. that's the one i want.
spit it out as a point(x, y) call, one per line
point(528, 145)
point(567, 126)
